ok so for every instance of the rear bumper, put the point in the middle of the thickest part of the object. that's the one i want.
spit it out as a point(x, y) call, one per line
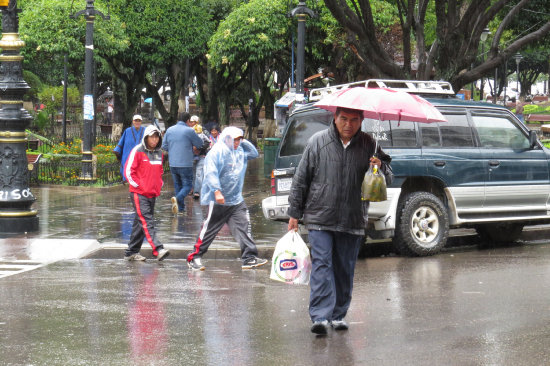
point(381, 214)
point(275, 208)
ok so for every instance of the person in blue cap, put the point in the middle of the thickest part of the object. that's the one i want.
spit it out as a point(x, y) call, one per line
point(131, 137)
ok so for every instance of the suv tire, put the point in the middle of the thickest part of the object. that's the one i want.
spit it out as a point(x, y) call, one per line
point(501, 233)
point(422, 225)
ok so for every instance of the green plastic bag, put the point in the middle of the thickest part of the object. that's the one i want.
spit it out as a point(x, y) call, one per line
point(373, 188)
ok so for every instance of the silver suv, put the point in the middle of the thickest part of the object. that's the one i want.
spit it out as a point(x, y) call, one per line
point(481, 169)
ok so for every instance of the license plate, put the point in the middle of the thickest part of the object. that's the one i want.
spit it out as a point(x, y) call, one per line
point(283, 184)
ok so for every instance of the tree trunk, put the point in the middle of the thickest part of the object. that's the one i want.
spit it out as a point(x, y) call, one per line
point(224, 110)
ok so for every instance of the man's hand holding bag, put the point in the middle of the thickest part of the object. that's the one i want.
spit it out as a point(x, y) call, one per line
point(291, 262)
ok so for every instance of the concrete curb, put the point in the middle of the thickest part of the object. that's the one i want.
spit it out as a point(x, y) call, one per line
point(114, 251)
point(460, 238)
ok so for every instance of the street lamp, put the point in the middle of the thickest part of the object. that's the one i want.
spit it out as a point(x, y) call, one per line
point(16, 215)
point(518, 57)
point(301, 11)
point(89, 13)
point(483, 38)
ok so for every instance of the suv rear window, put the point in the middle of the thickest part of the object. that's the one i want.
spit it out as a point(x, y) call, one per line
point(300, 129)
point(456, 132)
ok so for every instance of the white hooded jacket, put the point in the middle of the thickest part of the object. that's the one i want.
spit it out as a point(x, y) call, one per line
point(225, 167)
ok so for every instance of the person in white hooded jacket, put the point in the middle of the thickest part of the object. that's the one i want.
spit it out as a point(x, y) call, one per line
point(143, 171)
point(224, 172)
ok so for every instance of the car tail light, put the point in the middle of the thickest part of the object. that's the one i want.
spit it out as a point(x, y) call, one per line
point(272, 183)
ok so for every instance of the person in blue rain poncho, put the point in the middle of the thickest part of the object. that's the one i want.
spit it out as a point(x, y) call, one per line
point(131, 137)
point(224, 172)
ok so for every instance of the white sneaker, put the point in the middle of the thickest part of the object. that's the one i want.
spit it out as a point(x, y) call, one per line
point(320, 327)
point(196, 264)
point(339, 324)
point(163, 253)
point(253, 263)
point(134, 257)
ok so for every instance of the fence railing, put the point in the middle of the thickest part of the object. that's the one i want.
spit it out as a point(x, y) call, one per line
point(66, 171)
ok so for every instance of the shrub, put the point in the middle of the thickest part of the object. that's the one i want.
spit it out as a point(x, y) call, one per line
point(532, 108)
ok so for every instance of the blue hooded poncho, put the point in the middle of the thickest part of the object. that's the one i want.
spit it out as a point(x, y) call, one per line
point(225, 168)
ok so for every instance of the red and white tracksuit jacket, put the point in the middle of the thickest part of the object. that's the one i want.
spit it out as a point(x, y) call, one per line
point(143, 171)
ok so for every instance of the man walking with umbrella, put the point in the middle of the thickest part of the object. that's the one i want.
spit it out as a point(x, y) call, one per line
point(326, 195)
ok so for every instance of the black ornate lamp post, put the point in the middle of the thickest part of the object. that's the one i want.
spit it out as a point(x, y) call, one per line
point(16, 215)
point(89, 13)
point(301, 11)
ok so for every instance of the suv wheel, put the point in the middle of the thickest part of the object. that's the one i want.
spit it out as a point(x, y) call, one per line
point(422, 225)
point(501, 233)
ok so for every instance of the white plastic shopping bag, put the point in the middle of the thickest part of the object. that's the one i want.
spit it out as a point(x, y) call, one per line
point(291, 262)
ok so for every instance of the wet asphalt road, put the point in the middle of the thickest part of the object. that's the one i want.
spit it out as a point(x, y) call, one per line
point(462, 307)
point(473, 307)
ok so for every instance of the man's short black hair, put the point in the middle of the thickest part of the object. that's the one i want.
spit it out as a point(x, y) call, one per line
point(184, 116)
point(349, 110)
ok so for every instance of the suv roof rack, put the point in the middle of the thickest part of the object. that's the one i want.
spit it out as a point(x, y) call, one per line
point(409, 86)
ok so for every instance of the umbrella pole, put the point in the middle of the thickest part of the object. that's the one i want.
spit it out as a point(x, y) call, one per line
point(376, 136)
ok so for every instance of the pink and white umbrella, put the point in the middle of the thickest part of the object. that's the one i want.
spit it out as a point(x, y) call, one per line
point(383, 104)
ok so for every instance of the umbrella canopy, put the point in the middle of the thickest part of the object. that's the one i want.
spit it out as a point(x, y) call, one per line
point(383, 104)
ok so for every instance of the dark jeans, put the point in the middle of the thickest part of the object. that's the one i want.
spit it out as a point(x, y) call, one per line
point(333, 255)
point(183, 183)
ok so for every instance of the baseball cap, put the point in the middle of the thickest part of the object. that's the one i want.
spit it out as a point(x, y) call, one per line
point(194, 118)
point(136, 116)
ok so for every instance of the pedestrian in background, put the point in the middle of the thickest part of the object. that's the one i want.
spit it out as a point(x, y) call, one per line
point(143, 171)
point(214, 133)
point(131, 137)
point(195, 124)
point(224, 171)
point(519, 110)
point(326, 194)
point(198, 165)
point(178, 142)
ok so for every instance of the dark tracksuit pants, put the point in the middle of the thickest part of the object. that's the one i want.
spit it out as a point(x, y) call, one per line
point(333, 255)
point(238, 220)
point(143, 226)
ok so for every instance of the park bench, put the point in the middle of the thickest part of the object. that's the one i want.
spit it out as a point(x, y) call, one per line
point(537, 117)
point(540, 99)
point(32, 166)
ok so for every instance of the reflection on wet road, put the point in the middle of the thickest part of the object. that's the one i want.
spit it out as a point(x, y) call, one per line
point(485, 307)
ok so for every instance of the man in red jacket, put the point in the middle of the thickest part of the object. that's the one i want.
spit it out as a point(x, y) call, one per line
point(143, 171)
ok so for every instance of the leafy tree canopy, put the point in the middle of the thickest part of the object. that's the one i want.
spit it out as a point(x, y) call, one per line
point(159, 32)
point(47, 26)
point(252, 33)
point(49, 33)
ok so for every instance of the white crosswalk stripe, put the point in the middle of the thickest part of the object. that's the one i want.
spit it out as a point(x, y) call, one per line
point(10, 268)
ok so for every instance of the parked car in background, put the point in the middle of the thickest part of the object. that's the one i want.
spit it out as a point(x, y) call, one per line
point(481, 169)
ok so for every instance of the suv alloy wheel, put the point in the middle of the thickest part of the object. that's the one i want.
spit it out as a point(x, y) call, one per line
point(422, 225)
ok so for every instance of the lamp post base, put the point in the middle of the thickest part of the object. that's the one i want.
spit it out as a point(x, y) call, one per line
point(18, 225)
